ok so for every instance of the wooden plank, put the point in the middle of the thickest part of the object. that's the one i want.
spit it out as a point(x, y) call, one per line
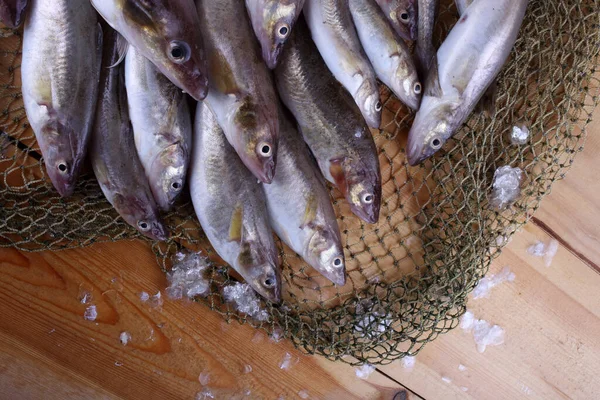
point(41, 315)
point(552, 348)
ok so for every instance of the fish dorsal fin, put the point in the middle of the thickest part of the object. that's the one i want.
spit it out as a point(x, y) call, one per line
point(236, 225)
point(310, 211)
point(122, 47)
point(432, 83)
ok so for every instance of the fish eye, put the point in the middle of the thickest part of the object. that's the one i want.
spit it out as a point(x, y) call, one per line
point(404, 16)
point(367, 198)
point(378, 106)
point(176, 185)
point(417, 88)
point(436, 143)
point(337, 262)
point(283, 30)
point(269, 282)
point(62, 167)
point(143, 225)
point(265, 149)
point(179, 52)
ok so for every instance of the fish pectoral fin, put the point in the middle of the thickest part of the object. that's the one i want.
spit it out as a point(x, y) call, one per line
point(336, 169)
point(310, 211)
point(122, 47)
point(487, 104)
point(236, 225)
point(432, 83)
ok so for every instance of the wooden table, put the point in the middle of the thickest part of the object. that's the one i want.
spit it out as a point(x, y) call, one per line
point(551, 316)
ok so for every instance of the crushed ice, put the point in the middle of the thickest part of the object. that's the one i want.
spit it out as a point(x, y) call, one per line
point(206, 393)
point(408, 362)
point(245, 300)
point(118, 364)
point(519, 135)
point(373, 324)
point(546, 250)
point(125, 337)
point(303, 394)
point(484, 333)
point(364, 371)
point(156, 300)
point(247, 368)
point(186, 278)
point(486, 284)
point(464, 388)
point(90, 313)
point(446, 379)
point(204, 378)
point(144, 297)
point(506, 187)
point(288, 362)
point(277, 335)
point(462, 368)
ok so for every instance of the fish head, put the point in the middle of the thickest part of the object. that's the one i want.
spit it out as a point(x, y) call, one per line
point(367, 98)
point(405, 18)
point(430, 130)
point(360, 183)
point(140, 213)
point(63, 156)
point(406, 85)
point(259, 133)
point(168, 172)
point(326, 255)
point(259, 268)
point(278, 18)
point(167, 33)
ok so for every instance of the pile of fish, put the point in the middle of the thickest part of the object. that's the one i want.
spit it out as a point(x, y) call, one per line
point(158, 94)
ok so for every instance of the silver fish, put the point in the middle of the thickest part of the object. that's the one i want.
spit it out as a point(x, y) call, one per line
point(300, 209)
point(114, 159)
point(62, 50)
point(424, 50)
point(461, 5)
point(273, 21)
point(466, 64)
point(334, 34)
point(331, 124)
point(389, 55)
point(165, 32)
point(231, 207)
point(162, 127)
point(12, 12)
point(403, 15)
point(241, 90)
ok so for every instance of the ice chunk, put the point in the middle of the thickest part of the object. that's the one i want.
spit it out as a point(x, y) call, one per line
point(506, 187)
point(118, 364)
point(372, 325)
point(288, 362)
point(462, 368)
point(408, 362)
point(257, 338)
point(125, 337)
point(488, 282)
point(467, 320)
point(186, 278)
point(364, 371)
point(486, 334)
point(247, 368)
point(545, 250)
point(464, 388)
point(90, 313)
point(205, 394)
point(204, 378)
point(84, 296)
point(276, 335)
point(446, 379)
point(519, 135)
point(245, 300)
point(156, 300)
point(303, 394)
point(144, 297)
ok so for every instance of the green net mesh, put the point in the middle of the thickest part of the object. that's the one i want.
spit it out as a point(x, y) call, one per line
point(409, 275)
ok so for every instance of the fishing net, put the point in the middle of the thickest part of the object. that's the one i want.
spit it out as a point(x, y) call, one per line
point(409, 275)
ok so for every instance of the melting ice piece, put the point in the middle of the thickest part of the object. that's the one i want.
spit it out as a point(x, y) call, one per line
point(288, 362)
point(144, 297)
point(519, 135)
point(204, 378)
point(90, 313)
point(545, 250)
point(125, 337)
point(277, 335)
point(156, 300)
point(464, 388)
point(205, 394)
point(506, 187)
point(303, 394)
point(486, 334)
point(486, 284)
point(186, 278)
point(247, 368)
point(446, 379)
point(408, 362)
point(245, 300)
point(467, 320)
point(462, 368)
point(364, 371)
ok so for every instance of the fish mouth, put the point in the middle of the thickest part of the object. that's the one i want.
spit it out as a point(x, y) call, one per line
point(266, 170)
point(414, 150)
point(369, 214)
point(272, 57)
point(158, 232)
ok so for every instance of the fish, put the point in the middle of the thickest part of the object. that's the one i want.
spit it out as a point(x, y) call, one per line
point(462, 5)
point(403, 15)
point(231, 207)
point(424, 50)
point(242, 93)
point(165, 32)
point(62, 51)
point(162, 127)
point(12, 12)
point(112, 153)
point(331, 124)
point(389, 55)
point(466, 64)
point(273, 21)
point(333, 32)
point(300, 208)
